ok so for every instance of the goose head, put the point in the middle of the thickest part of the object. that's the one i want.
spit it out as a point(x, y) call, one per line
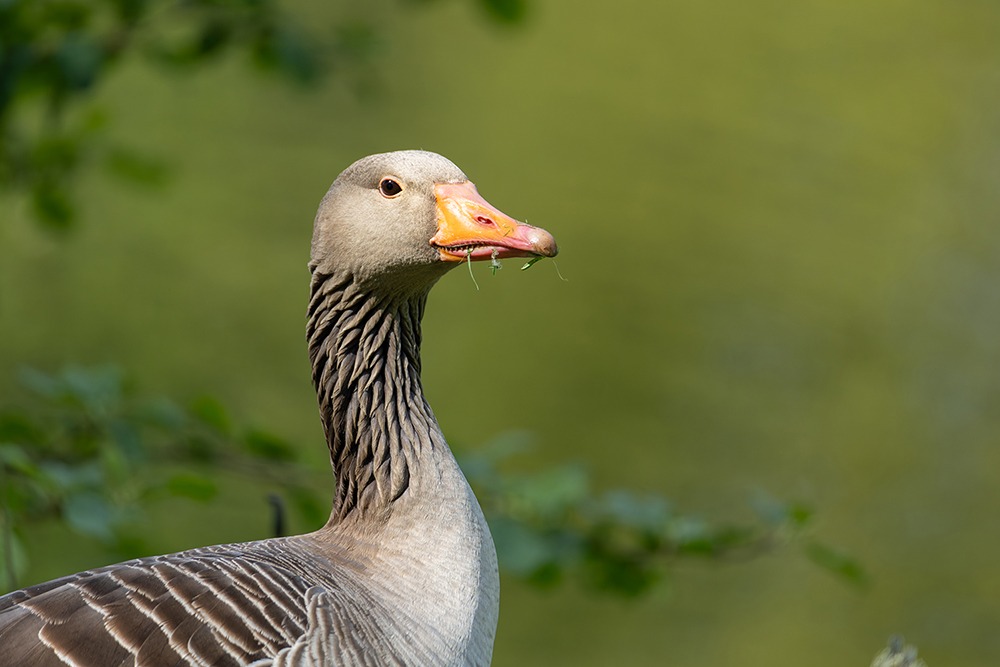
point(402, 219)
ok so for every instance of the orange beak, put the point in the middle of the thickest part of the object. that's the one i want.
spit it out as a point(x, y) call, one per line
point(469, 227)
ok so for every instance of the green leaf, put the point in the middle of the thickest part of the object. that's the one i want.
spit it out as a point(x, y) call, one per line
point(42, 384)
point(506, 11)
point(212, 413)
point(13, 560)
point(52, 204)
point(285, 48)
point(67, 477)
point(837, 562)
point(647, 512)
point(550, 492)
point(89, 513)
point(164, 413)
point(80, 60)
point(519, 549)
point(626, 574)
point(19, 427)
point(128, 440)
point(214, 36)
point(100, 389)
point(15, 458)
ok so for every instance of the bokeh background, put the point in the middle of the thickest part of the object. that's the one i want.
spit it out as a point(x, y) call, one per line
point(779, 227)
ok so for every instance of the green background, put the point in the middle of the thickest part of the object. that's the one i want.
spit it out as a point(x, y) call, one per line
point(778, 222)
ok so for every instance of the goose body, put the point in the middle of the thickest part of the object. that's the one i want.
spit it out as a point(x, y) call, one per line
point(404, 572)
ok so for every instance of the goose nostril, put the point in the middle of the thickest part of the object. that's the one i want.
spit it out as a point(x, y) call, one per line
point(483, 220)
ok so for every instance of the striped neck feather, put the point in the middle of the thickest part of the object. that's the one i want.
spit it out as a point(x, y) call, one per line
point(365, 354)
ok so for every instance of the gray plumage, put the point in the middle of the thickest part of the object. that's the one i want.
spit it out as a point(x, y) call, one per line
point(403, 573)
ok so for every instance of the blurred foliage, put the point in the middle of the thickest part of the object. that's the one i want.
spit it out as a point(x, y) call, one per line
point(551, 525)
point(87, 451)
point(54, 53)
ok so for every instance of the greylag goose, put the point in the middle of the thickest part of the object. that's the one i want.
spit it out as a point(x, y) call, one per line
point(405, 571)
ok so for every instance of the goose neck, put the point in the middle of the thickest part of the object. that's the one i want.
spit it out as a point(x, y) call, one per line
point(365, 354)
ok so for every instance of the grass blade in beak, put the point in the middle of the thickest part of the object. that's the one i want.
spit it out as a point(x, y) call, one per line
point(468, 256)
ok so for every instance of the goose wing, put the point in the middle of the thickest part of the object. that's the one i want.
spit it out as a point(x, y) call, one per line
point(212, 606)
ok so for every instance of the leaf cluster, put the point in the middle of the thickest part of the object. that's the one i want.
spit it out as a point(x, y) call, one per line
point(551, 525)
point(55, 53)
point(86, 452)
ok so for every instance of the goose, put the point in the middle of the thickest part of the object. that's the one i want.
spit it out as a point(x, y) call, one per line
point(405, 570)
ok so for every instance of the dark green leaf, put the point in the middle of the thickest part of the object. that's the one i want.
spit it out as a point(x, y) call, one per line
point(284, 48)
point(624, 574)
point(214, 35)
point(506, 11)
point(51, 203)
point(838, 563)
point(80, 60)
point(17, 427)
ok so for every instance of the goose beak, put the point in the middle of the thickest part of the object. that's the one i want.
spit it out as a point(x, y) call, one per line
point(469, 227)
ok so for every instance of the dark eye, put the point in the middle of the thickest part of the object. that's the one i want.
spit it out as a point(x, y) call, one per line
point(389, 187)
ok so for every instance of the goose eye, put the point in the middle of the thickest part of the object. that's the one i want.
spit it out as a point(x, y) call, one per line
point(389, 187)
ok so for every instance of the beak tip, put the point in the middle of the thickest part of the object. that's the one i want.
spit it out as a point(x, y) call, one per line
point(543, 243)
